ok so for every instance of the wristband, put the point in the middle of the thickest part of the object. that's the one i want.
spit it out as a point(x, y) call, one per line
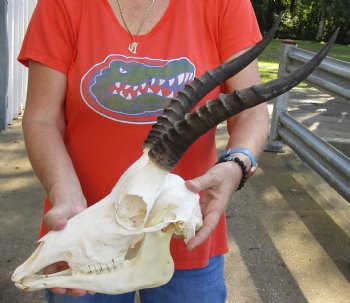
point(244, 151)
point(241, 165)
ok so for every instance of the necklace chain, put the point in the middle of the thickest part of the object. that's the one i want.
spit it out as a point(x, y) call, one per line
point(133, 45)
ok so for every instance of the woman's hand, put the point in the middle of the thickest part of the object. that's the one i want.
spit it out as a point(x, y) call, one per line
point(64, 207)
point(217, 186)
point(56, 219)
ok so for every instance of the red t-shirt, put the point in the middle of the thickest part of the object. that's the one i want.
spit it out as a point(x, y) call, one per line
point(114, 96)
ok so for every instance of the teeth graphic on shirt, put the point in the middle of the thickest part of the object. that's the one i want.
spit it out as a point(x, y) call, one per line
point(180, 78)
point(185, 77)
point(171, 95)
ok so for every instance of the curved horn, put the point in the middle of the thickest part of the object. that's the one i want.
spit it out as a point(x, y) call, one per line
point(201, 86)
point(174, 143)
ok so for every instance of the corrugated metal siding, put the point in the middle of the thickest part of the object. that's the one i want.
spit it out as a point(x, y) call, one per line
point(18, 16)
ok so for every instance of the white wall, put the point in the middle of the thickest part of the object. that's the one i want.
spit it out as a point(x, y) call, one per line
point(18, 17)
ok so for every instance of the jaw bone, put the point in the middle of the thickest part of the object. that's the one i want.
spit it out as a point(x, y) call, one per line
point(121, 243)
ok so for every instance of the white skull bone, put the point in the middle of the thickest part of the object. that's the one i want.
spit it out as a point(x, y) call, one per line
point(121, 243)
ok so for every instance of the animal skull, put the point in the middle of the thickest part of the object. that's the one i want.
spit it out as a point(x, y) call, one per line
point(119, 253)
point(121, 243)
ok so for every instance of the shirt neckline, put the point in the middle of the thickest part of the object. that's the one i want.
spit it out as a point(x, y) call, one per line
point(146, 36)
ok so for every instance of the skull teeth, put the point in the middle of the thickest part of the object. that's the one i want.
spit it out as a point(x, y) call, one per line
point(99, 268)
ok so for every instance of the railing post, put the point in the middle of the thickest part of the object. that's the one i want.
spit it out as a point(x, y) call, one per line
point(275, 143)
point(4, 63)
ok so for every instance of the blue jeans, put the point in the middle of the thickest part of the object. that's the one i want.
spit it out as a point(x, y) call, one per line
point(203, 285)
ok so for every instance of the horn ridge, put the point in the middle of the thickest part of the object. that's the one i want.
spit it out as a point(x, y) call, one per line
point(173, 144)
point(188, 98)
point(177, 139)
point(182, 104)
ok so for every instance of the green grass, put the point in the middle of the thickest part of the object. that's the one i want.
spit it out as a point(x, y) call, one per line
point(341, 52)
point(269, 59)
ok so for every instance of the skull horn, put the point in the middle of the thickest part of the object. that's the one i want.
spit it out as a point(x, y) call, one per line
point(178, 138)
point(201, 86)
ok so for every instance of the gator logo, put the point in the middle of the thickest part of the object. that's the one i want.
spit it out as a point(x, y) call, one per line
point(134, 90)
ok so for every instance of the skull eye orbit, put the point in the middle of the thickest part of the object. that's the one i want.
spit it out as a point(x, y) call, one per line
point(132, 211)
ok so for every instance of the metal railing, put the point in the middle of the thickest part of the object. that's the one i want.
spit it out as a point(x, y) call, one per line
point(14, 19)
point(333, 77)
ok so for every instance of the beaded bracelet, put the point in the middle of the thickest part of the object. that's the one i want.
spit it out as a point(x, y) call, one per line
point(241, 165)
point(247, 152)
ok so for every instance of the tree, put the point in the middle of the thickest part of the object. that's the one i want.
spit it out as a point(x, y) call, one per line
point(307, 19)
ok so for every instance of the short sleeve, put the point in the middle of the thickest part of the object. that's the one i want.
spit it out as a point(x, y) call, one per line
point(239, 28)
point(50, 37)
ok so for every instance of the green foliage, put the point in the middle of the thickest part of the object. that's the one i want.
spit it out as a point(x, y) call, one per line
point(306, 19)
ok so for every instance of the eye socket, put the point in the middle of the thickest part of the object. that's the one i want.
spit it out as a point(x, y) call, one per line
point(123, 71)
point(131, 212)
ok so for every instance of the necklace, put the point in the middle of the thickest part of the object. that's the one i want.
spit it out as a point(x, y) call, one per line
point(133, 45)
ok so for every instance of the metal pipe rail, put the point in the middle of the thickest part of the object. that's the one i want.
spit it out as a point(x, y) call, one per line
point(333, 77)
point(327, 161)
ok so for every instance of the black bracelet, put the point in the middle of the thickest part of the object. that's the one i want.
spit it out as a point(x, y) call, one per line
point(241, 165)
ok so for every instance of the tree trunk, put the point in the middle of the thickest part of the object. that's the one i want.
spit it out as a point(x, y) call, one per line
point(292, 7)
point(322, 22)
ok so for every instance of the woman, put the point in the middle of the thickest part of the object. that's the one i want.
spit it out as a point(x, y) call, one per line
point(100, 72)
